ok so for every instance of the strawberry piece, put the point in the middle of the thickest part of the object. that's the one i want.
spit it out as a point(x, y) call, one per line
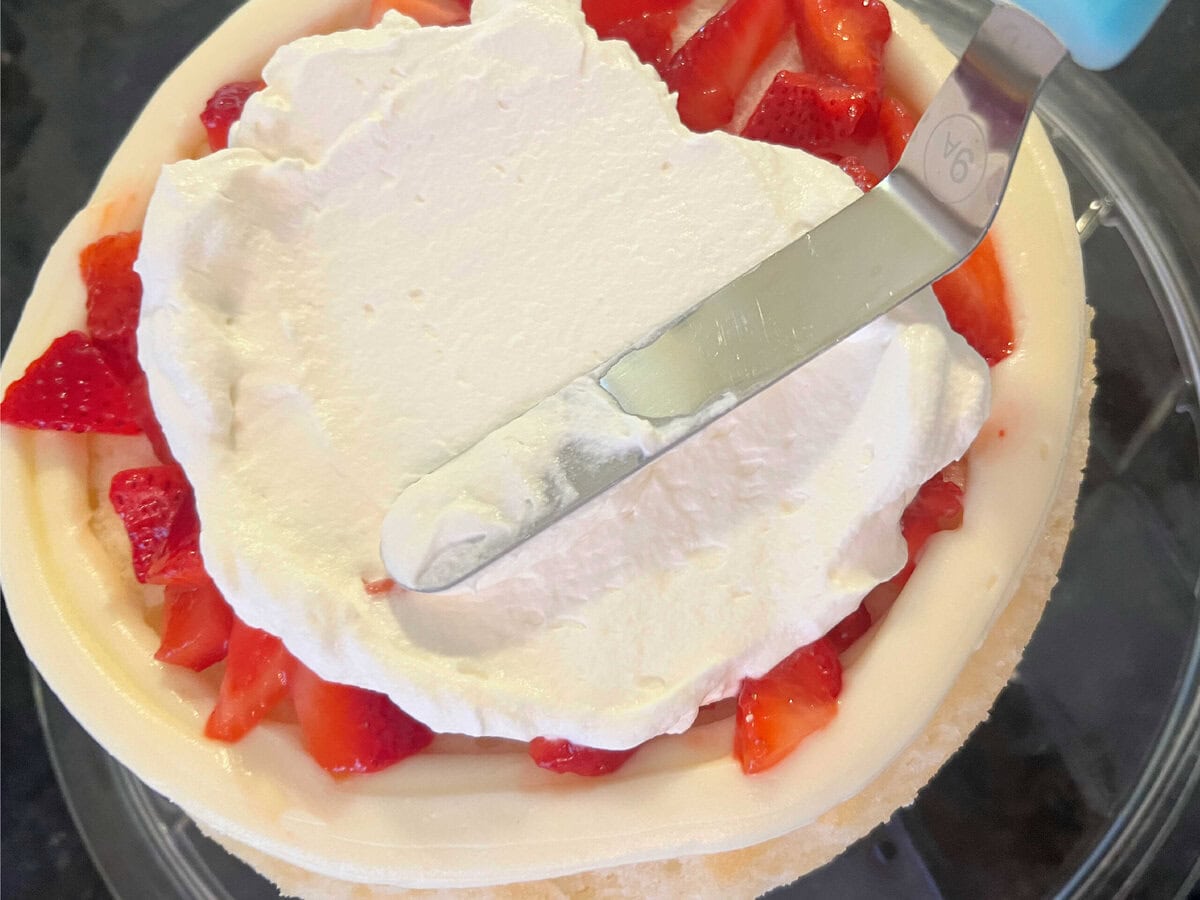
point(258, 669)
point(224, 108)
point(379, 587)
point(348, 729)
point(712, 67)
point(114, 299)
point(856, 169)
point(646, 25)
point(937, 507)
point(604, 15)
point(844, 39)
point(70, 387)
point(196, 626)
point(178, 560)
point(850, 629)
point(423, 12)
point(813, 112)
point(973, 297)
point(649, 35)
point(143, 414)
point(793, 700)
point(896, 124)
point(158, 509)
point(114, 290)
point(562, 756)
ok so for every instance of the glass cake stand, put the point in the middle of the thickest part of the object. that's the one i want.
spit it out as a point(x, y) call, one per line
point(1083, 782)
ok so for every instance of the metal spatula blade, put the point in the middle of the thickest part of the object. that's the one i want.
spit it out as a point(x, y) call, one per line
point(926, 215)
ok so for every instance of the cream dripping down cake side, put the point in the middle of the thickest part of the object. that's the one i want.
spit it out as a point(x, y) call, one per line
point(382, 243)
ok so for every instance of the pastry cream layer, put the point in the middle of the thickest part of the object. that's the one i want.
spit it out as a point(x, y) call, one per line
point(471, 815)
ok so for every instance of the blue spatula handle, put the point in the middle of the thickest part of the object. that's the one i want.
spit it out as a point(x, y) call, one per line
point(1099, 33)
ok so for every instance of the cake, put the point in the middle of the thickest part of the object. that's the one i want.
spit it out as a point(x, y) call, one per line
point(710, 823)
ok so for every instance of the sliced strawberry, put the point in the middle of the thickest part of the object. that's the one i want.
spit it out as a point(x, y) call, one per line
point(562, 756)
point(778, 711)
point(712, 67)
point(896, 124)
point(114, 290)
point(649, 35)
point(150, 502)
point(224, 108)
point(843, 635)
point(604, 15)
point(856, 169)
point(975, 301)
point(423, 12)
point(178, 560)
point(813, 112)
point(196, 626)
point(70, 387)
point(646, 25)
point(844, 38)
point(348, 729)
point(114, 299)
point(379, 587)
point(143, 414)
point(258, 669)
point(937, 507)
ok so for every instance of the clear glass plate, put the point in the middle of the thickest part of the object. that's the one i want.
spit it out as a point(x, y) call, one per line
point(1084, 780)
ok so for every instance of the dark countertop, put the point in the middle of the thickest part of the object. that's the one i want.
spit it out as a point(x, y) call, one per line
point(74, 72)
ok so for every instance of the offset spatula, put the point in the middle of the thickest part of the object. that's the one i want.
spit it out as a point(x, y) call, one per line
point(928, 214)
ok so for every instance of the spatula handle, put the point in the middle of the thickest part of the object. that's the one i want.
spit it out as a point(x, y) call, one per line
point(1099, 33)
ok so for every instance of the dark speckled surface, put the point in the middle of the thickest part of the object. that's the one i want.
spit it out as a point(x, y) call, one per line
point(75, 72)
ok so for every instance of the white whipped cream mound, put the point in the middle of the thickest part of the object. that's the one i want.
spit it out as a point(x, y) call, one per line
point(417, 234)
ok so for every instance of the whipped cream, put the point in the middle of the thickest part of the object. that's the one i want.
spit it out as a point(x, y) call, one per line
point(416, 235)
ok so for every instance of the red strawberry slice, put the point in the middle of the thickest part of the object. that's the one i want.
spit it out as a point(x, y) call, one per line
point(196, 626)
point(114, 290)
point(896, 124)
point(70, 387)
point(178, 560)
point(844, 38)
point(143, 413)
point(603, 15)
point(114, 299)
point(379, 587)
point(974, 299)
point(157, 507)
point(856, 169)
point(843, 635)
point(348, 729)
point(778, 711)
point(649, 35)
point(562, 756)
point(423, 12)
point(937, 507)
point(813, 112)
point(712, 67)
point(646, 25)
point(224, 108)
point(258, 669)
